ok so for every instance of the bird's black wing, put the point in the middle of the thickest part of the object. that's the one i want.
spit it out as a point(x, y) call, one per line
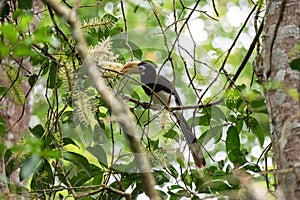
point(162, 84)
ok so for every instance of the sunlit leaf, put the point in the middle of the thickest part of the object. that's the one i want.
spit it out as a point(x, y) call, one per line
point(10, 32)
point(68, 141)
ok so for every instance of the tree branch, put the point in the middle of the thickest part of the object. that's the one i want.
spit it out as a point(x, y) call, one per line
point(119, 109)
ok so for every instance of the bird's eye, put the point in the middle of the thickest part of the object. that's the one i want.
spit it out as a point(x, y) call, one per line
point(141, 68)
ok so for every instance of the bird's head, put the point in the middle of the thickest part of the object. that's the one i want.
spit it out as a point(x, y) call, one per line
point(137, 67)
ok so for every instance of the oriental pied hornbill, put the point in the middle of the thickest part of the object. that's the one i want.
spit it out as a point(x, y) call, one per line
point(162, 92)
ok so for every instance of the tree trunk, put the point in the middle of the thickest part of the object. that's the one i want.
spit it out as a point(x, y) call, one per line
point(282, 91)
point(16, 114)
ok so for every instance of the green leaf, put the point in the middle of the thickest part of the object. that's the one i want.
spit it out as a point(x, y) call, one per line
point(174, 187)
point(51, 153)
point(161, 177)
point(43, 178)
point(153, 144)
point(295, 64)
point(43, 35)
point(213, 132)
point(195, 197)
point(30, 165)
point(180, 194)
point(97, 174)
point(52, 76)
point(256, 129)
point(233, 144)
point(38, 131)
point(213, 113)
point(205, 117)
point(256, 101)
point(115, 31)
point(24, 22)
point(26, 5)
point(173, 171)
point(170, 134)
point(216, 132)
point(80, 178)
point(8, 155)
point(78, 160)
point(180, 161)
point(5, 49)
point(162, 195)
point(217, 114)
point(130, 168)
point(214, 171)
point(2, 149)
point(32, 79)
point(233, 100)
point(137, 190)
point(109, 20)
point(99, 153)
point(203, 120)
point(252, 167)
point(17, 189)
point(10, 32)
point(48, 141)
point(239, 125)
point(218, 185)
point(130, 179)
point(123, 44)
point(10, 167)
point(11, 162)
point(69, 141)
point(97, 179)
point(221, 164)
point(3, 129)
point(187, 178)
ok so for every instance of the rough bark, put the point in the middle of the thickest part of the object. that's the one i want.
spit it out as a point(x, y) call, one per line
point(282, 85)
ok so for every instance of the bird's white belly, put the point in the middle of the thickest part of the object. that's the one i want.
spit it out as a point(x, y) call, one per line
point(165, 99)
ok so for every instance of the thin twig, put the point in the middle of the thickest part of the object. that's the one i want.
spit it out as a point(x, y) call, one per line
point(120, 110)
point(246, 58)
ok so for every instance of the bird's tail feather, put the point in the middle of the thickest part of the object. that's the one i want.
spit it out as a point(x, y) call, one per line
point(194, 145)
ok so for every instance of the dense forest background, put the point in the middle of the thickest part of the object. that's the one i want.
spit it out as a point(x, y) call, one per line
point(65, 135)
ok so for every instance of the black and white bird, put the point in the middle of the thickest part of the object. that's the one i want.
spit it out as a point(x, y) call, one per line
point(162, 91)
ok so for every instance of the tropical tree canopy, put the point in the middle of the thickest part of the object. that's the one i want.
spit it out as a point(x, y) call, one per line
point(77, 144)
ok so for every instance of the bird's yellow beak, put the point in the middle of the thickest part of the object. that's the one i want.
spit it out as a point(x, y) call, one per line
point(131, 68)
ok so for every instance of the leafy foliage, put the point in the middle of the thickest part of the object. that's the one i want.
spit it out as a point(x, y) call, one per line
point(77, 149)
point(295, 64)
